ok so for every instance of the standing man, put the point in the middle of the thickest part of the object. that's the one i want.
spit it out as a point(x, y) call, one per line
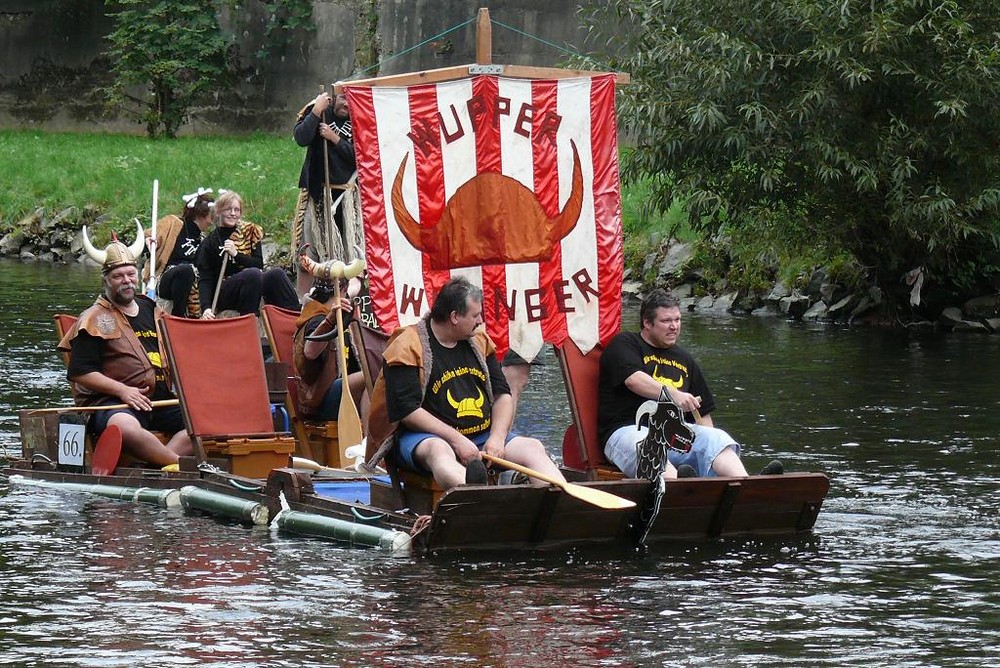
point(115, 359)
point(442, 394)
point(324, 123)
point(636, 367)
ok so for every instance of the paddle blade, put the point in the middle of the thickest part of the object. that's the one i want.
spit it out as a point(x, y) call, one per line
point(598, 497)
point(348, 425)
point(107, 450)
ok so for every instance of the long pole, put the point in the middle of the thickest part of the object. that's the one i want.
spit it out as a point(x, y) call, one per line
point(93, 409)
point(218, 283)
point(151, 285)
point(327, 195)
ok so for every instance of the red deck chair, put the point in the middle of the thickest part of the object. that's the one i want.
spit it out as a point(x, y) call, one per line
point(64, 322)
point(581, 446)
point(218, 374)
point(279, 327)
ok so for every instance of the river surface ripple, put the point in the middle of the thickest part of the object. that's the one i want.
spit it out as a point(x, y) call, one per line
point(901, 570)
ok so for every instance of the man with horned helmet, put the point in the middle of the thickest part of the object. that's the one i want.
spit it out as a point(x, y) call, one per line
point(314, 351)
point(441, 391)
point(115, 359)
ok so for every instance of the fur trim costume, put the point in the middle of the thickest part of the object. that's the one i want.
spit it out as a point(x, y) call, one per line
point(124, 359)
point(411, 346)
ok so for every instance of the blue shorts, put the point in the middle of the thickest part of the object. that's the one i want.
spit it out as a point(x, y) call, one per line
point(708, 443)
point(168, 419)
point(330, 408)
point(407, 442)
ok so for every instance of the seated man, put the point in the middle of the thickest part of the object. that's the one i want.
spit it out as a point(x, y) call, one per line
point(115, 359)
point(315, 356)
point(636, 367)
point(442, 386)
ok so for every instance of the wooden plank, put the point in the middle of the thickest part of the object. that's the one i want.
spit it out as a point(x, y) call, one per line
point(464, 71)
point(724, 509)
point(514, 513)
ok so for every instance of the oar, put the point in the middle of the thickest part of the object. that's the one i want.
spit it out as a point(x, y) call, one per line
point(310, 465)
point(107, 451)
point(93, 409)
point(348, 421)
point(597, 497)
point(698, 419)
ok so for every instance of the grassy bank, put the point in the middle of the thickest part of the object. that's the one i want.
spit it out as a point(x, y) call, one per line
point(113, 174)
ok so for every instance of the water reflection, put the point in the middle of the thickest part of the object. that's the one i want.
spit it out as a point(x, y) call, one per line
point(901, 570)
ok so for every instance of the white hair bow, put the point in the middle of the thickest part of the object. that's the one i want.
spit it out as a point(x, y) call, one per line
point(191, 198)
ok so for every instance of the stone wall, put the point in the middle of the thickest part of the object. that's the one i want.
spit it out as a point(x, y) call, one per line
point(51, 65)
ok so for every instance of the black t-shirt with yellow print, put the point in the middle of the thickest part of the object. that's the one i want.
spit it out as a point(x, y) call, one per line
point(456, 390)
point(627, 353)
point(88, 350)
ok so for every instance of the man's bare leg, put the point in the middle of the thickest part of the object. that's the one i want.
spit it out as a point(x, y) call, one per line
point(531, 453)
point(142, 444)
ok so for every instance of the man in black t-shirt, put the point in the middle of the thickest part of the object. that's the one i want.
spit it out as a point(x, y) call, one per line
point(442, 386)
point(637, 367)
point(115, 359)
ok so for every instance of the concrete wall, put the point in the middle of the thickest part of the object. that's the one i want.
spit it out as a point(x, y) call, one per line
point(51, 68)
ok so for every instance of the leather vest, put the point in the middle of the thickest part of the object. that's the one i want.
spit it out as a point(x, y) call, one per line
point(124, 358)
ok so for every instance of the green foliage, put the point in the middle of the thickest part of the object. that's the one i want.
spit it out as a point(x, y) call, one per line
point(867, 128)
point(285, 18)
point(174, 51)
point(113, 175)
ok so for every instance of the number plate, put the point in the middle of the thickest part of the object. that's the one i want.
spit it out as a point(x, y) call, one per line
point(71, 444)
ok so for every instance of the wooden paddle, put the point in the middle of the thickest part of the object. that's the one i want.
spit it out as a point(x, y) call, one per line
point(348, 421)
point(596, 497)
point(107, 450)
point(93, 409)
point(310, 465)
point(698, 419)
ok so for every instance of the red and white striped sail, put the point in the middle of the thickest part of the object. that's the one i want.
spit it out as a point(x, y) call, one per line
point(510, 182)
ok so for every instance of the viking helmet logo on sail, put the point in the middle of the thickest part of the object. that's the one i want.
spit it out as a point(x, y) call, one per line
point(491, 219)
point(512, 183)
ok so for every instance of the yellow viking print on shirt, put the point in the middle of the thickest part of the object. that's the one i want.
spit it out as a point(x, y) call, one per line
point(664, 380)
point(467, 407)
point(155, 360)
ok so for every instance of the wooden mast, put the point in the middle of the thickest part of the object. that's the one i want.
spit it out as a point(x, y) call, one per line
point(484, 37)
point(483, 65)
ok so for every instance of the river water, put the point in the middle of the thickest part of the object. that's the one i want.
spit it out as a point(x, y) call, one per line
point(901, 570)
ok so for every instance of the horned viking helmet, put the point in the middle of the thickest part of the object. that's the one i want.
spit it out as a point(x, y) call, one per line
point(116, 254)
point(331, 269)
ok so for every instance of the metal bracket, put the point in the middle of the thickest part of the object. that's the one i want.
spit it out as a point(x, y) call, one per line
point(485, 69)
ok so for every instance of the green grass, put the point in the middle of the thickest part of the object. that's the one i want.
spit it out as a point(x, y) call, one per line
point(114, 174)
